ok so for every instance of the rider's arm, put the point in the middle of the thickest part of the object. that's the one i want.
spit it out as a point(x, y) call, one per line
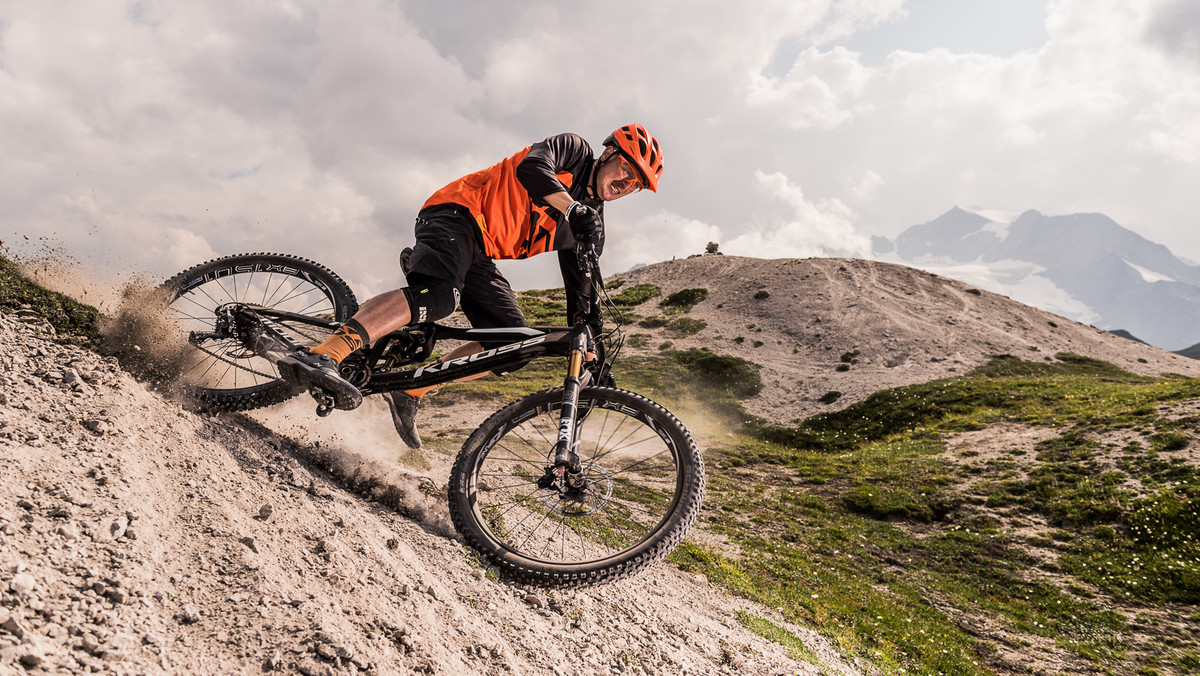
point(538, 171)
point(559, 200)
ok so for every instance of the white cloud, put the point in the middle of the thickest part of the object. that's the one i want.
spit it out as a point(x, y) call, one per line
point(820, 90)
point(319, 129)
point(659, 236)
point(821, 228)
point(865, 188)
point(1020, 281)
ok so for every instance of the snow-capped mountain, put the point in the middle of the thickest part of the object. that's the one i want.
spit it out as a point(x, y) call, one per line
point(1083, 266)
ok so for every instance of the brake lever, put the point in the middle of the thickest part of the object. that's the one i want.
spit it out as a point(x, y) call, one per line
point(587, 257)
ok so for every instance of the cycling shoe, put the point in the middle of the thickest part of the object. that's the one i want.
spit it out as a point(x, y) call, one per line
point(404, 416)
point(307, 369)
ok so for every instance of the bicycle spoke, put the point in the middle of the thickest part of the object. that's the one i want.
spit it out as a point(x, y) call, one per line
point(617, 506)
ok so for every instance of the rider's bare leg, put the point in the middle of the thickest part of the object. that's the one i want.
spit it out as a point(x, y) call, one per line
point(384, 313)
point(377, 317)
point(389, 311)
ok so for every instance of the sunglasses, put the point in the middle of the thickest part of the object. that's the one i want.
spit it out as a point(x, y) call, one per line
point(628, 179)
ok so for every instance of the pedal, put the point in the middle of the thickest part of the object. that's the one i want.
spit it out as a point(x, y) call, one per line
point(324, 401)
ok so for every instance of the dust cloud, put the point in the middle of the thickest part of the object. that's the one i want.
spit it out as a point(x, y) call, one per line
point(142, 334)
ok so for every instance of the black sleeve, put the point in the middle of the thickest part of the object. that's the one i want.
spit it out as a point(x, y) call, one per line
point(577, 283)
point(537, 172)
point(578, 286)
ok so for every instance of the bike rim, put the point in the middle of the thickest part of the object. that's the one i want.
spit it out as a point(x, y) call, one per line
point(633, 474)
point(225, 363)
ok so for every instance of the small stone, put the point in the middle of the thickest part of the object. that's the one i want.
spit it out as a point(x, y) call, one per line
point(91, 645)
point(115, 529)
point(13, 626)
point(189, 614)
point(534, 601)
point(249, 542)
point(31, 659)
point(274, 662)
point(23, 584)
point(96, 425)
point(265, 512)
point(119, 645)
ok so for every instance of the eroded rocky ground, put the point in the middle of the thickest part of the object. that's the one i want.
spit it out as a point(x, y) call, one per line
point(137, 537)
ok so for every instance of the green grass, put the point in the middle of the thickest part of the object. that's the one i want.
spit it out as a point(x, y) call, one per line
point(683, 327)
point(73, 322)
point(773, 632)
point(635, 295)
point(546, 307)
point(858, 524)
point(682, 301)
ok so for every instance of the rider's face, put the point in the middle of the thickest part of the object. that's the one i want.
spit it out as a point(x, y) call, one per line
point(616, 178)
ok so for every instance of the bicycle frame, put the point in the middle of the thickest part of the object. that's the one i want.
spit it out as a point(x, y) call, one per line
point(376, 371)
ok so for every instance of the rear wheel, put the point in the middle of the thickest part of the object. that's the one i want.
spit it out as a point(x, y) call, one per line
point(643, 481)
point(217, 371)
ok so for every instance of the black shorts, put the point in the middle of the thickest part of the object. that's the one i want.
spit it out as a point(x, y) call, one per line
point(449, 250)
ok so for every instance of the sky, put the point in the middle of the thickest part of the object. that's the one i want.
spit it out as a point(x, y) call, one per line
point(141, 137)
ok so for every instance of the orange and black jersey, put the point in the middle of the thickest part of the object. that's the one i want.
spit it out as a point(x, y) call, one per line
point(507, 201)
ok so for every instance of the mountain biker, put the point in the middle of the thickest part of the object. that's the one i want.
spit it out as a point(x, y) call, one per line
point(514, 209)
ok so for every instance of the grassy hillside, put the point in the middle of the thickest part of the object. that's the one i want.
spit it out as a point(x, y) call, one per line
point(73, 322)
point(1082, 552)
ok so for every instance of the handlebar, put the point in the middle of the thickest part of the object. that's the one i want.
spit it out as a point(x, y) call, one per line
point(588, 260)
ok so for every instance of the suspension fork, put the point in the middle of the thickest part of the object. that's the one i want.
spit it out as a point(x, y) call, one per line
point(566, 453)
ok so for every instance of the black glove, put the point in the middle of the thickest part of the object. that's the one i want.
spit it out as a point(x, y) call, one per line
point(585, 223)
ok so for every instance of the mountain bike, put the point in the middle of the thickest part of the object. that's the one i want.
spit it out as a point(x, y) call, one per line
point(576, 485)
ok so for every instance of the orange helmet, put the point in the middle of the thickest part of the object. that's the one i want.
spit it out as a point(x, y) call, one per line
point(640, 148)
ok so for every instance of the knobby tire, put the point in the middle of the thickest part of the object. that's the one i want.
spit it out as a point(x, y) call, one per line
point(645, 485)
point(224, 375)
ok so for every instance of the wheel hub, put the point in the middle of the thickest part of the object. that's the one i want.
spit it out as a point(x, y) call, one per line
point(593, 493)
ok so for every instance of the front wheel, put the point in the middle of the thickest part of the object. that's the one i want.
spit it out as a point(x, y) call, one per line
point(641, 489)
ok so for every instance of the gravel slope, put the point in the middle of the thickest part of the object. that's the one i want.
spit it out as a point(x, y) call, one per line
point(136, 537)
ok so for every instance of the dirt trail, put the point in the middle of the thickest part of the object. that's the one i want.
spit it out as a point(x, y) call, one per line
point(136, 537)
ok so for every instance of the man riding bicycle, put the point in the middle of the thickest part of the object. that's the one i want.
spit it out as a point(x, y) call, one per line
point(515, 209)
